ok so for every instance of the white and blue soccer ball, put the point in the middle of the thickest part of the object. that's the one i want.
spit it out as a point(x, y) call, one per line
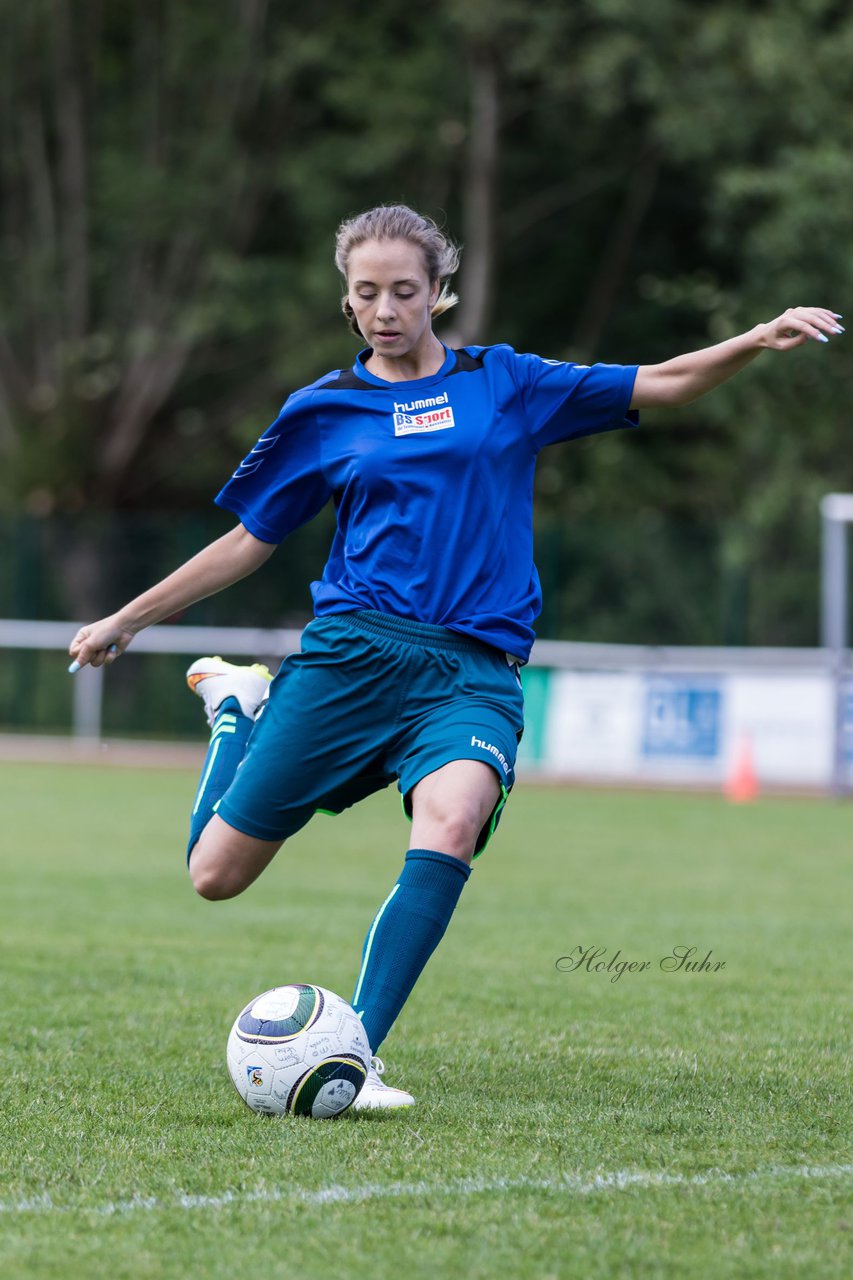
point(298, 1050)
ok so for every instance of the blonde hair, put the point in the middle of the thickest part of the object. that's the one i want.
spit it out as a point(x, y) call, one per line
point(399, 222)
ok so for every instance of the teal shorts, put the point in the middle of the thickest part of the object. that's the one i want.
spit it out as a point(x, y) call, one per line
point(372, 699)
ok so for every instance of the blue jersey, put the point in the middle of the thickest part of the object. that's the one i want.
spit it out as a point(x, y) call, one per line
point(432, 482)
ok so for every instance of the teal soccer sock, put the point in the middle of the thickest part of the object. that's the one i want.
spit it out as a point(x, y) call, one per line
point(228, 739)
point(408, 927)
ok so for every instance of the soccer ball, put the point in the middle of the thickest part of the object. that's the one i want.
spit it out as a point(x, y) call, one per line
point(298, 1050)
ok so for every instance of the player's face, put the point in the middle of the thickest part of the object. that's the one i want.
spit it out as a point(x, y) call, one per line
point(392, 296)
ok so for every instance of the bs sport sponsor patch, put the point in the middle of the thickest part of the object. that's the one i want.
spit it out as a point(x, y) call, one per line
point(413, 417)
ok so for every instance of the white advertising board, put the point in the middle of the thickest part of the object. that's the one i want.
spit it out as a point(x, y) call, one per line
point(637, 726)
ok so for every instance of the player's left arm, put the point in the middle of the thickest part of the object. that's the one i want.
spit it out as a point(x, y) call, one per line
point(685, 378)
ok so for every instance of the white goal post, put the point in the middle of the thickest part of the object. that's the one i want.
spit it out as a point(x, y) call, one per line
point(836, 510)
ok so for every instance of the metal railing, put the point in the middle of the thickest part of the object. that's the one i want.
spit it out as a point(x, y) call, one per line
point(87, 697)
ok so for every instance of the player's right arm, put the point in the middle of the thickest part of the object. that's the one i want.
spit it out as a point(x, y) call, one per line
point(220, 564)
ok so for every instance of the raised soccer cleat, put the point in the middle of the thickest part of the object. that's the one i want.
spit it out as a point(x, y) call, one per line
point(375, 1094)
point(214, 680)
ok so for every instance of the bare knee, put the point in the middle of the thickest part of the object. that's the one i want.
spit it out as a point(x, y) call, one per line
point(450, 828)
point(214, 884)
point(459, 834)
point(226, 861)
point(451, 805)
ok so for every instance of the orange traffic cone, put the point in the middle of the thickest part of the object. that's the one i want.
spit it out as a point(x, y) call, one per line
point(742, 783)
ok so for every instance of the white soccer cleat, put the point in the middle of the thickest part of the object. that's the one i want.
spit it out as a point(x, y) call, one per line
point(214, 680)
point(375, 1094)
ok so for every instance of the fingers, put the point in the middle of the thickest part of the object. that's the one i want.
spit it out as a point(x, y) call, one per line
point(86, 651)
point(94, 658)
point(77, 651)
point(800, 324)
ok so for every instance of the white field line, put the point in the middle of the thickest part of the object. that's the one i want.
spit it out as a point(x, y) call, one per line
point(568, 1184)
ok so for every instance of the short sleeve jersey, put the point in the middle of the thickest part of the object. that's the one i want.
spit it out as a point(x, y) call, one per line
point(432, 482)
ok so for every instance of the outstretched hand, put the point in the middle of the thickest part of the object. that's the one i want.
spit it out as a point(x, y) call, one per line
point(99, 643)
point(797, 325)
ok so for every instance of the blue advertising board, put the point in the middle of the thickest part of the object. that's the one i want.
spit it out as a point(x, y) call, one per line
point(682, 716)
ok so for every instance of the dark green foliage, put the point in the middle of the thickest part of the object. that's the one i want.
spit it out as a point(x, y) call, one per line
point(171, 177)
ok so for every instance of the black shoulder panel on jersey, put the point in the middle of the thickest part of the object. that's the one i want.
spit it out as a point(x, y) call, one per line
point(348, 381)
point(465, 362)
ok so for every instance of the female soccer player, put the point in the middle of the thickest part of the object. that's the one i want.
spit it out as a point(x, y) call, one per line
point(425, 609)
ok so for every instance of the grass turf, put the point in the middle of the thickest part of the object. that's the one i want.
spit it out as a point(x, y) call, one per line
point(662, 1124)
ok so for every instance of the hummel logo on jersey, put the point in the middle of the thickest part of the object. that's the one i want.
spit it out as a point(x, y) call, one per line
point(430, 414)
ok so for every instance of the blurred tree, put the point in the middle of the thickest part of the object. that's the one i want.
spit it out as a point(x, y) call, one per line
point(723, 143)
point(170, 178)
point(629, 181)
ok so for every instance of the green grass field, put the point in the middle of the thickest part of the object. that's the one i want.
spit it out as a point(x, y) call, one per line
point(663, 1124)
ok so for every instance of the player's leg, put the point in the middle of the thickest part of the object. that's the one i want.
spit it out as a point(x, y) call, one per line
point(450, 809)
point(312, 748)
point(231, 696)
point(458, 738)
point(451, 806)
point(225, 861)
